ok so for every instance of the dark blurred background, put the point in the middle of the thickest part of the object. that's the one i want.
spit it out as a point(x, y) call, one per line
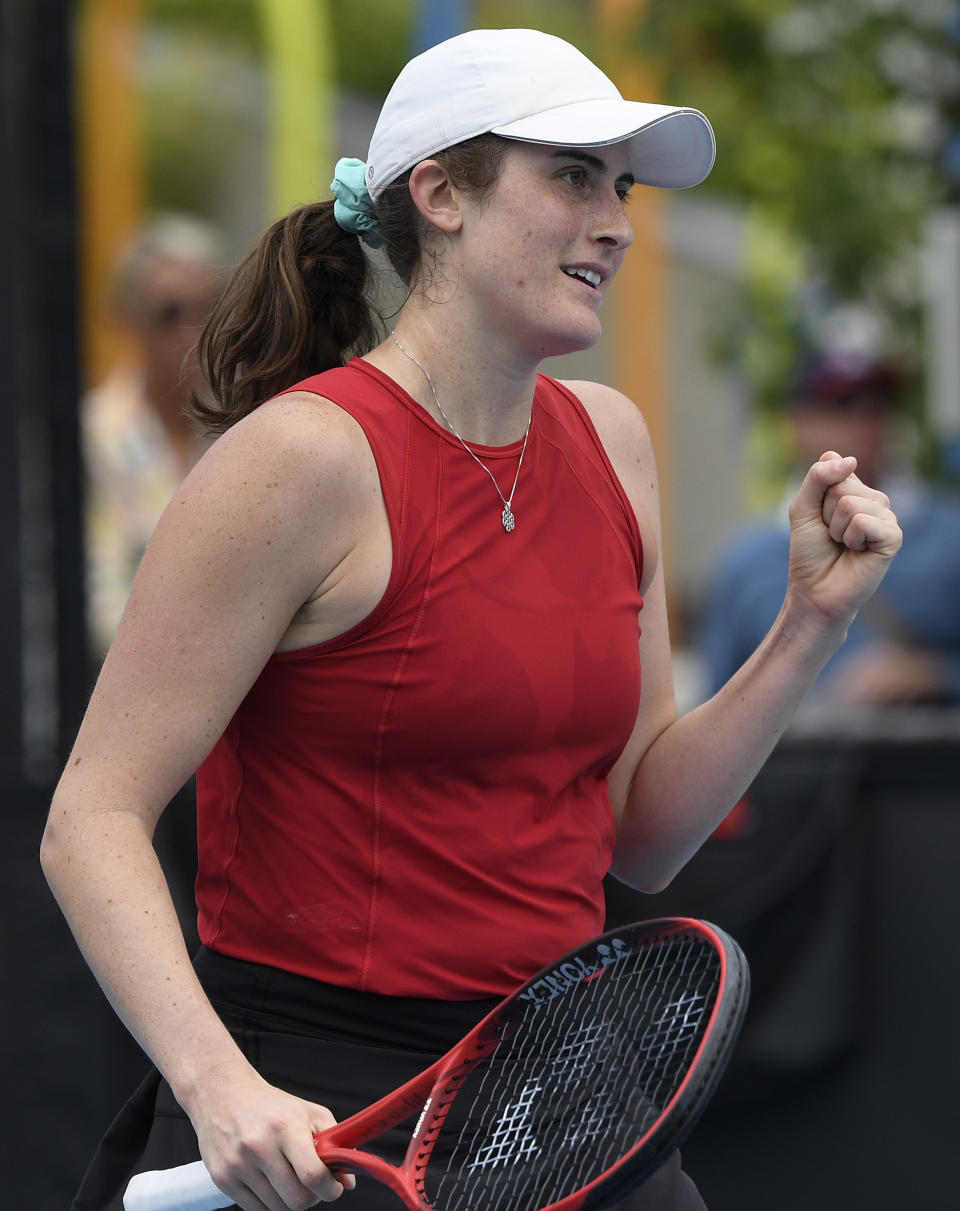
point(810, 289)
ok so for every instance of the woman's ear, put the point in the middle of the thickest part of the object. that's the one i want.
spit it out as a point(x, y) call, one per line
point(435, 196)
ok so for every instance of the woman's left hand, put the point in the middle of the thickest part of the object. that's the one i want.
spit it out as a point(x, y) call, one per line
point(843, 535)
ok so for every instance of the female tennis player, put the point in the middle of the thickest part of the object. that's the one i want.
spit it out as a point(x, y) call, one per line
point(396, 619)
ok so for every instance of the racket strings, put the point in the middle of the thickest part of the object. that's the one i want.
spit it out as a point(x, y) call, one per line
point(438, 1115)
point(577, 1083)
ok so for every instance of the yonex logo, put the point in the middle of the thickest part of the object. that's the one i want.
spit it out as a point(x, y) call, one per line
point(564, 976)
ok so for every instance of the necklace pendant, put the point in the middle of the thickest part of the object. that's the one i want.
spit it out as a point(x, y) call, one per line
point(507, 517)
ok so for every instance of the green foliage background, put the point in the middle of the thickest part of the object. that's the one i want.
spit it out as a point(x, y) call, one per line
point(830, 117)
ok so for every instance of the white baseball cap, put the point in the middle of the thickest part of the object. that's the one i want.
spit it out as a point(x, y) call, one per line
point(536, 88)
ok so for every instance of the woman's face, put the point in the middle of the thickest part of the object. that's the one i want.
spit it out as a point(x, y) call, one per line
point(537, 253)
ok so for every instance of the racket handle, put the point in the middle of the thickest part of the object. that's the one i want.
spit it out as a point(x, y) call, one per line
point(183, 1188)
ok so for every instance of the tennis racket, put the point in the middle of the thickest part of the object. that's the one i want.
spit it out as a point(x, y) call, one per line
point(566, 1096)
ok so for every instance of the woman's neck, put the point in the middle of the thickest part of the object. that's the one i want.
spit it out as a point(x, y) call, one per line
point(481, 395)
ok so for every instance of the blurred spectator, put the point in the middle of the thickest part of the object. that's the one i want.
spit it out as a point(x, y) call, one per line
point(139, 442)
point(905, 645)
point(138, 439)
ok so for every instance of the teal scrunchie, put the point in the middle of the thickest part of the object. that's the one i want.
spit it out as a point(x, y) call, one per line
point(353, 206)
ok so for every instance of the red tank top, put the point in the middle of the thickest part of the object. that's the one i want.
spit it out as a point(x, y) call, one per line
point(419, 807)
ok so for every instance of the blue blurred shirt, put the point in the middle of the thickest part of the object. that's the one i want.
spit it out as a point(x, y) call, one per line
point(918, 600)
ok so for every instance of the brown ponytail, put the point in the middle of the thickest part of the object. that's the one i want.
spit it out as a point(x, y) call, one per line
point(296, 306)
point(299, 303)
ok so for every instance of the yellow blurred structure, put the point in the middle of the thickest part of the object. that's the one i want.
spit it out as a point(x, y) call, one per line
point(109, 160)
point(110, 152)
point(298, 45)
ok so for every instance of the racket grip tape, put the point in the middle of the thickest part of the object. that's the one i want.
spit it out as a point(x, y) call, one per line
point(183, 1188)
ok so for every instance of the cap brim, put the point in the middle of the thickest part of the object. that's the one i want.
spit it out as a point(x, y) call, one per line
point(671, 148)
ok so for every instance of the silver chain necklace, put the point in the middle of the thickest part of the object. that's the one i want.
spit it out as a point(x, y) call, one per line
point(507, 516)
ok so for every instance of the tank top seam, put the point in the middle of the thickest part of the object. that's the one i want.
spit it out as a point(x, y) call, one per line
point(635, 555)
point(386, 713)
point(631, 553)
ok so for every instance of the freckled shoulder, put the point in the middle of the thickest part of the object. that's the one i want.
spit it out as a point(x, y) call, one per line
point(302, 442)
point(292, 489)
point(301, 421)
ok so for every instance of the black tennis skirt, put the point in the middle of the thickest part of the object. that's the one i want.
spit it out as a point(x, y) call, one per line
point(335, 1046)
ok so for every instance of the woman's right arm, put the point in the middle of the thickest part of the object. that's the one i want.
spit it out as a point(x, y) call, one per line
point(270, 516)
